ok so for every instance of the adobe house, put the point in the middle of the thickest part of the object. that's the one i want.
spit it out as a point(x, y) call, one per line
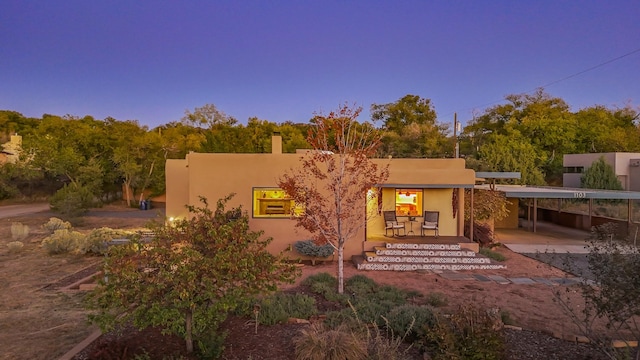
point(11, 150)
point(626, 166)
point(413, 186)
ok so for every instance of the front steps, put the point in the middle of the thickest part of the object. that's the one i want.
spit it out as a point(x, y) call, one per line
point(411, 257)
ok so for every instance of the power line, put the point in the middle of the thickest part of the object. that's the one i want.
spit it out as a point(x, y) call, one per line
point(562, 79)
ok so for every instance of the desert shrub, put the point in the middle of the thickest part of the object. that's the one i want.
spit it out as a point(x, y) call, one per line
point(310, 248)
point(15, 246)
point(470, 333)
point(411, 321)
point(320, 278)
point(506, 318)
point(379, 345)
point(326, 285)
point(279, 307)
point(96, 241)
point(371, 310)
point(319, 342)
point(73, 200)
point(360, 285)
point(493, 255)
point(19, 231)
point(56, 224)
point(62, 241)
point(390, 294)
point(437, 299)
point(386, 346)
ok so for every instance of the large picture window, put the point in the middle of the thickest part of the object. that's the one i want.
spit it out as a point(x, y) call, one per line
point(408, 202)
point(272, 203)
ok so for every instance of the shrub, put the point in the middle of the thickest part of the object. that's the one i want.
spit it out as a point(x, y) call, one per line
point(437, 299)
point(310, 248)
point(411, 320)
point(62, 241)
point(279, 307)
point(56, 224)
point(15, 246)
point(321, 343)
point(492, 254)
point(19, 231)
point(72, 200)
point(326, 285)
point(96, 241)
point(470, 333)
point(360, 285)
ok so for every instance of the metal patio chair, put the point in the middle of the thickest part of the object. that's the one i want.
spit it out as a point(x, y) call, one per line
point(430, 222)
point(391, 223)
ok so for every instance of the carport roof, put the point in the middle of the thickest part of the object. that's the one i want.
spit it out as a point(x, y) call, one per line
point(550, 192)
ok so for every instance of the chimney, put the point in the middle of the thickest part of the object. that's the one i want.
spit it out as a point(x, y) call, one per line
point(276, 143)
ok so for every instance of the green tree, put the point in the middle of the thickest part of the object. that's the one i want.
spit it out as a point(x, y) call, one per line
point(513, 154)
point(334, 178)
point(192, 273)
point(600, 175)
point(538, 119)
point(411, 129)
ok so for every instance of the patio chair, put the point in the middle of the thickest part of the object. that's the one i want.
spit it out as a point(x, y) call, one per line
point(391, 223)
point(430, 222)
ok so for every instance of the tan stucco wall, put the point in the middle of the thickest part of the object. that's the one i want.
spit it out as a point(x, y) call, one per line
point(216, 175)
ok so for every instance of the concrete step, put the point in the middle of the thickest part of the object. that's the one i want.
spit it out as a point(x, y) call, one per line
point(412, 246)
point(373, 257)
point(362, 264)
point(383, 251)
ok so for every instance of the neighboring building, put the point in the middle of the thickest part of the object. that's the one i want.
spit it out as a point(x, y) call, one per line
point(413, 186)
point(11, 150)
point(625, 165)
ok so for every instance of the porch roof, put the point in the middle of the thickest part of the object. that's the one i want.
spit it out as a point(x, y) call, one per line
point(426, 186)
point(551, 192)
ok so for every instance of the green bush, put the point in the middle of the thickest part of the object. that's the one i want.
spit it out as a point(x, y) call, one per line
point(19, 231)
point(73, 200)
point(360, 285)
point(96, 241)
point(56, 224)
point(62, 241)
point(310, 248)
point(327, 286)
point(492, 254)
point(279, 307)
point(437, 299)
point(411, 321)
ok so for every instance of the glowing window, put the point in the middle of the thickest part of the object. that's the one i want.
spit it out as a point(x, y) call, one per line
point(272, 203)
point(408, 202)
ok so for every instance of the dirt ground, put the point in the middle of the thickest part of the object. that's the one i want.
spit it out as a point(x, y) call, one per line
point(40, 323)
point(35, 322)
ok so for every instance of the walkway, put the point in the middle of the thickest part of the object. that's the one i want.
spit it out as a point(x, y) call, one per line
point(549, 238)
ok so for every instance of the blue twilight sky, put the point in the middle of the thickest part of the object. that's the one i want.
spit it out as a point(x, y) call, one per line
point(284, 60)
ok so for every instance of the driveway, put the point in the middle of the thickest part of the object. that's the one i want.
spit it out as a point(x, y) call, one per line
point(558, 246)
point(8, 211)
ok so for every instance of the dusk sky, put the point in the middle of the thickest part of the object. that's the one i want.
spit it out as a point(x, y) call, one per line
point(284, 60)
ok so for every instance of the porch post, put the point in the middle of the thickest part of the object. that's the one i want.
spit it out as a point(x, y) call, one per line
point(590, 211)
point(471, 216)
point(535, 214)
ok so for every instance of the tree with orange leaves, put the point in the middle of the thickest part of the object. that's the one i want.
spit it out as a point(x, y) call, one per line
point(335, 178)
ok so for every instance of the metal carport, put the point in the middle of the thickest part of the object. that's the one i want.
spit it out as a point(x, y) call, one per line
point(549, 192)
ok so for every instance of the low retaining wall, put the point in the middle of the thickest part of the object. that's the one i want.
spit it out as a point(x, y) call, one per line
point(581, 221)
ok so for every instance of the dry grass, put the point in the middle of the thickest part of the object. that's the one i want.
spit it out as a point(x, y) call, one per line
point(38, 323)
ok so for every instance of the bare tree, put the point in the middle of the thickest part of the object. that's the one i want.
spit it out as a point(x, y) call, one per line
point(334, 179)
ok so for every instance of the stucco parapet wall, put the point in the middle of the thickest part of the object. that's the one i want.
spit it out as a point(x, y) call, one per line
point(417, 172)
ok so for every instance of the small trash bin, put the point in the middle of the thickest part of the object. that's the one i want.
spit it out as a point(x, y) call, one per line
point(143, 205)
point(147, 204)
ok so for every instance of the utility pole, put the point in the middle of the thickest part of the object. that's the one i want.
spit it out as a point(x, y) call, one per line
point(455, 136)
